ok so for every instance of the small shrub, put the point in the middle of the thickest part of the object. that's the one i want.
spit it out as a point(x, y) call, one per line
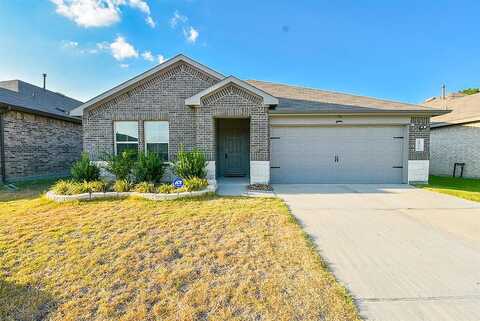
point(195, 184)
point(148, 168)
point(93, 187)
point(63, 187)
point(120, 165)
point(191, 164)
point(84, 170)
point(121, 186)
point(166, 189)
point(144, 187)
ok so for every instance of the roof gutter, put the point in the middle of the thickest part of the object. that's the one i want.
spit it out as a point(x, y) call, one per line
point(436, 112)
point(41, 113)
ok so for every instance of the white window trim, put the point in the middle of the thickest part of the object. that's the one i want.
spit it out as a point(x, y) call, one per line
point(156, 142)
point(115, 134)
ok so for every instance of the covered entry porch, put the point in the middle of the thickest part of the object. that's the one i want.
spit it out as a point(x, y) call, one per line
point(232, 148)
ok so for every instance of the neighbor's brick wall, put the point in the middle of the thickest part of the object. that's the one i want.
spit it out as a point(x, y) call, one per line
point(456, 144)
point(414, 133)
point(234, 102)
point(37, 146)
point(159, 98)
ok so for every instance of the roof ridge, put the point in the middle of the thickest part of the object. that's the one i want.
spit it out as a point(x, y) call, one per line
point(342, 93)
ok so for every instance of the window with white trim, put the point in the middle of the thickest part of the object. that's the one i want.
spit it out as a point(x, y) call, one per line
point(126, 136)
point(156, 138)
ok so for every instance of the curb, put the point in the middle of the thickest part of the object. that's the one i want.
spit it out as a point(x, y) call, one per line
point(150, 196)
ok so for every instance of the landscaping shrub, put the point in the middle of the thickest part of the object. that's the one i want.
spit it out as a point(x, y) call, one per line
point(195, 184)
point(148, 168)
point(144, 187)
point(63, 187)
point(166, 189)
point(121, 185)
point(84, 170)
point(120, 165)
point(93, 187)
point(191, 164)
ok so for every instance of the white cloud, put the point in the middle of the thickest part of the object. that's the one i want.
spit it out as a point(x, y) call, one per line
point(161, 59)
point(99, 13)
point(138, 4)
point(70, 44)
point(121, 49)
point(177, 18)
point(89, 13)
point(191, 34)
point(147, 55)
point(150, 22)
point(124, 65)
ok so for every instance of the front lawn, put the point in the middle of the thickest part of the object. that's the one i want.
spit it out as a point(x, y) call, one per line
point(460, 187)
point(198, 259)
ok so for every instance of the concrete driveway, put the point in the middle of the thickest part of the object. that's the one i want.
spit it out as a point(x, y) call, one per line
point(405, 254)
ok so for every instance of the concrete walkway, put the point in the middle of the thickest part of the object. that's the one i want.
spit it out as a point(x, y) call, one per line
point(405, 254)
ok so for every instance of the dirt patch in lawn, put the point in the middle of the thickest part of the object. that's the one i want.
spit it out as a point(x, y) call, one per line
point(206, 259)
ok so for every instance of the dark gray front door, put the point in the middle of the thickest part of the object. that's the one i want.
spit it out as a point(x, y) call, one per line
point(233, 141)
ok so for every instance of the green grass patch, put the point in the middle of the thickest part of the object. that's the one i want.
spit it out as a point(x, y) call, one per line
point(460, 187)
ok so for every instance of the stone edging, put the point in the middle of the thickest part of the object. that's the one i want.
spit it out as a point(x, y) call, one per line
point(150, 196)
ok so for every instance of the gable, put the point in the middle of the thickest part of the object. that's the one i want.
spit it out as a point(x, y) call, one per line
point(165, 70)
point(231, 91)
point(235, 86)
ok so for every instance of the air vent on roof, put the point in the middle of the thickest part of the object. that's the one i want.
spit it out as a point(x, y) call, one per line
point(430, 99)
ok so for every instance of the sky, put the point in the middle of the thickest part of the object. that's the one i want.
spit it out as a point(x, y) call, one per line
point(398, 50)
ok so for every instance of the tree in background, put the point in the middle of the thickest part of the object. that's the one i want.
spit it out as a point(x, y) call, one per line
point(470, 91)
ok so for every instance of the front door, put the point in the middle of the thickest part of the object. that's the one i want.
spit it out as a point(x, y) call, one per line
point(233, 143)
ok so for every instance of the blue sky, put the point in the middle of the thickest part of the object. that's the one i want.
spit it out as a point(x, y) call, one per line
point(400, 50)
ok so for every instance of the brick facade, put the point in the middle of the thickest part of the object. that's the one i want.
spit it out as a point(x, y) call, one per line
point(456, 144)
point(234, 102)
point(38, 146)
point(163, 98)
point(419, 128)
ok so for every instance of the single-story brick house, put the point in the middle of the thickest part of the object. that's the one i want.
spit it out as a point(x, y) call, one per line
point(456, 136)
point(265, 131)
point(38, 138)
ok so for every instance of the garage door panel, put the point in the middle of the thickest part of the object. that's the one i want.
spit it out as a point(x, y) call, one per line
point(366, 154)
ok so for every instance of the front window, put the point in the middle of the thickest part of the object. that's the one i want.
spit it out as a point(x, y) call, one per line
point(156, 138)
point(126, 136)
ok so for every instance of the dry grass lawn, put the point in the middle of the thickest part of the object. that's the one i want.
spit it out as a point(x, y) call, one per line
point(206, 259)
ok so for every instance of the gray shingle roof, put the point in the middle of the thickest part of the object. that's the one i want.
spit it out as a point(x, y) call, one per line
point(294, 99)
point(28, 97)
point(465, 109)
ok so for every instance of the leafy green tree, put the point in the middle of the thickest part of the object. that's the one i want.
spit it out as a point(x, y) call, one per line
point(470, 91)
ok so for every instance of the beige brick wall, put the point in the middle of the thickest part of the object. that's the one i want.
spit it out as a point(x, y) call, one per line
point(163, 98)
point(455, 144)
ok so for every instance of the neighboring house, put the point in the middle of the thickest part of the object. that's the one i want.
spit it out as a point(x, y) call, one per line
point(267, 132)
point(37, 136)
point(456, 136)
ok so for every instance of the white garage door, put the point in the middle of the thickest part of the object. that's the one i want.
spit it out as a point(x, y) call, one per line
point(340, 154)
